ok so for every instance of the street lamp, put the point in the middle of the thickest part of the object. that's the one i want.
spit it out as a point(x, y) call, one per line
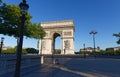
point(84, 51)
point(41, 53)
point(93, 33)
point(24, 7)
point(2, 39)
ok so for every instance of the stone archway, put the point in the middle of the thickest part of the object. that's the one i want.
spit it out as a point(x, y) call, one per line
point(65, 29)
point(55, 35)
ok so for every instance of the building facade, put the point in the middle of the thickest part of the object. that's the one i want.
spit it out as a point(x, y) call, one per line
point(90, 49)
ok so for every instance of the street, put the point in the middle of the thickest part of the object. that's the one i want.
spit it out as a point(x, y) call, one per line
point(80, 67)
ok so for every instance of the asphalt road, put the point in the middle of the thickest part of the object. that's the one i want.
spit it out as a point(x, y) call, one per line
point(79, 67)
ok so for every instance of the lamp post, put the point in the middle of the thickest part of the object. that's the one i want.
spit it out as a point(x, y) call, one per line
point(84, 50)
point(2, 39)
point(41, 53)
point(24, 7)
point(93, 33)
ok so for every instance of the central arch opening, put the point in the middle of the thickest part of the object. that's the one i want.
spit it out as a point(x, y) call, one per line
point(57, 43)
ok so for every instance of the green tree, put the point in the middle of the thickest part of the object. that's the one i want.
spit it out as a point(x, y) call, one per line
point(13, 51)
point(31, 50)
point(57, 51)
point(0, 1)
point(118, 36)
point(10, 22)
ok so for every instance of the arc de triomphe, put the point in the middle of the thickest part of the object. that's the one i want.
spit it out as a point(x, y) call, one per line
point(65, 29)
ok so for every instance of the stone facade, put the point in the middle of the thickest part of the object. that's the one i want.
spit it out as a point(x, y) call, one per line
point(65, 29)
point(90, 49)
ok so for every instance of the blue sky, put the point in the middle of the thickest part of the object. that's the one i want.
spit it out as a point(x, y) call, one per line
point(102, 16)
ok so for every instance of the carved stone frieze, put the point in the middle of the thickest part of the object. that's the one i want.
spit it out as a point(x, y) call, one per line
point(67, 44)
point(67, 33)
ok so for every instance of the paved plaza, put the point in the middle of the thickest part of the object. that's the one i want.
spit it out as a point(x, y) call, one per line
point(79, 67)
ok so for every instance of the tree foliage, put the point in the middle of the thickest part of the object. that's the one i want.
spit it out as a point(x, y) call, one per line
point(57, 51)
point(31, 50)
point(13, 51)
point(0, 1)
point(24, 51)
point(118, 36)
point(10, 22)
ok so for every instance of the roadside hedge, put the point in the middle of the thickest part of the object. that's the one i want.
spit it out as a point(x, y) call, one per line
point(24, 51)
